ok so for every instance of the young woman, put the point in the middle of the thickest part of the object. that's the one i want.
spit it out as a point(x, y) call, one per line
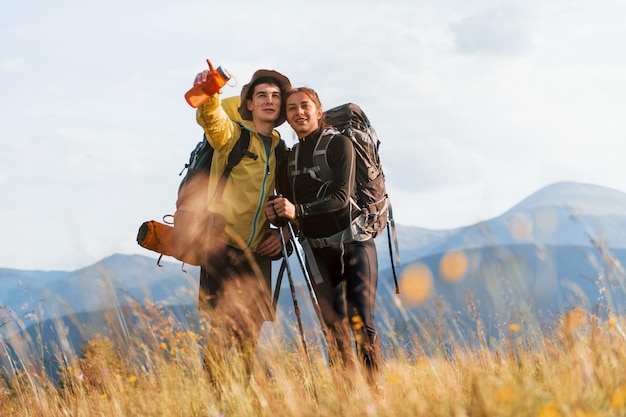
point(322, 207)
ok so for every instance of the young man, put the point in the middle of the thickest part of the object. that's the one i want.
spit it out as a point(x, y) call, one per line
point(235, 283)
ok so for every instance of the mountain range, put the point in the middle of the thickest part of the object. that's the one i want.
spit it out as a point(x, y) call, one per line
point(560, 248)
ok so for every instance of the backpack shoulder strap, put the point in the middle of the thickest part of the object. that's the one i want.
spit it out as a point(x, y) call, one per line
point(281, 151)
point(234, 157)
point(238, 152)
point(292, 162)
point(292, 168)
point(320, 154)
point(320, 170)
point(320, 159)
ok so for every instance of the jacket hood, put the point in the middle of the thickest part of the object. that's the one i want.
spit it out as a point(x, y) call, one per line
point(231, 107)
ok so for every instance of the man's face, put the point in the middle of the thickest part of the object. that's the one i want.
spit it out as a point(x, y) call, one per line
point(265, 103)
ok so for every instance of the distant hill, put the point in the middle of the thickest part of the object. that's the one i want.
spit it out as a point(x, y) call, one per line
point(560, 214)
point(561, 247)
point(588, 199)
point(118, 279)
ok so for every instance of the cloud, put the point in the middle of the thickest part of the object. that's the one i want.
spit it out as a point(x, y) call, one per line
point(500, 30)
point(14, 64)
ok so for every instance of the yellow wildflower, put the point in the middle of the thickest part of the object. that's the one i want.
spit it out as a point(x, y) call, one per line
point(504, 394)
point(514, 327)
point(618, 397)
point(612, 322)
point(549, 410)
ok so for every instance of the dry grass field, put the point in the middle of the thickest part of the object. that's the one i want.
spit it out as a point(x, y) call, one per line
point(576, 371)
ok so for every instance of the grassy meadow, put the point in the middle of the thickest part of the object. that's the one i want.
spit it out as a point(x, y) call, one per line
point(577, 371)
point(151, 365)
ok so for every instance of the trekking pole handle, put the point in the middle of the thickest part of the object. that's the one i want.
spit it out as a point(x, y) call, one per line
point(279, 221)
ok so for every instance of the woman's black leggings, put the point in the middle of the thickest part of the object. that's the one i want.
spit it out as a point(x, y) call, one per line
point(347, 297)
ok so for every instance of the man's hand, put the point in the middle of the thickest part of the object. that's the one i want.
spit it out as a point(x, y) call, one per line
point(271, 246)
point(202, 78)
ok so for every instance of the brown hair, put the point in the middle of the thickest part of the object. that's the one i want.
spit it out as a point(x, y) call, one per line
point(263, 80)
point(309, 92)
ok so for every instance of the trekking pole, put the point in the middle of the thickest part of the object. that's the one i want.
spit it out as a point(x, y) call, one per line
point(286, 266)
point(391, 232)
point(307, 276)
point(316, 306)
point(279, 282)
point(293, 291)
point(393, 264)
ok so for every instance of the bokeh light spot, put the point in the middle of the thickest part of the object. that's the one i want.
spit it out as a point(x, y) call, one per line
point(521, 226)
point(546, 221)
point(453, 265)
point(416, 284)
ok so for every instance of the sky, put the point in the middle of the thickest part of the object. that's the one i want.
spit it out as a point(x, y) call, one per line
point(478, 104)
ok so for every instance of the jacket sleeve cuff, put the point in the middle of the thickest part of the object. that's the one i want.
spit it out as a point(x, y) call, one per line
point(203, 113)
point(300, 211)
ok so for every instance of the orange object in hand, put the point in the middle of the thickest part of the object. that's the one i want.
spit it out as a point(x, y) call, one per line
point(200, 93)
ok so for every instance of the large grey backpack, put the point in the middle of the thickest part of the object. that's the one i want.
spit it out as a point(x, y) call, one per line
point(371, 194)
point(370, 191)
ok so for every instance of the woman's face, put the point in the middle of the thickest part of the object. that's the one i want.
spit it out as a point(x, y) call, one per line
point(302, 114)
